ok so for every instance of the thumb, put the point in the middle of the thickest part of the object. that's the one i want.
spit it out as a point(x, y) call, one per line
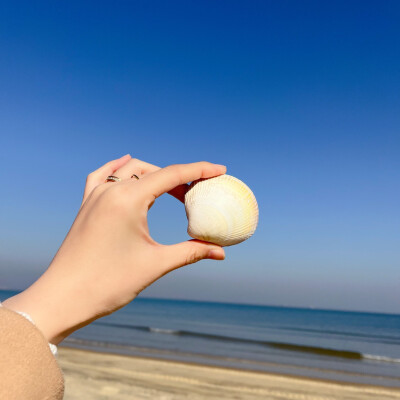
point(192, 251)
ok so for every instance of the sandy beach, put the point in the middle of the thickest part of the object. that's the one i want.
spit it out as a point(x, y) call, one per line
point(98, 376)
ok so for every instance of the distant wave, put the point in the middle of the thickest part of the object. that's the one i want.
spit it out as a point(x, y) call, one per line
point(159, 330)
point(381, 358)
point(369, 337)
point(115, 346)
point(346, 354)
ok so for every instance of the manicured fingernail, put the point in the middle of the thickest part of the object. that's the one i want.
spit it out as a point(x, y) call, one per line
point(216, 254)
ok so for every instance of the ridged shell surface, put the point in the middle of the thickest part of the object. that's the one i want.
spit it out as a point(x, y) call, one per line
point(222, 210)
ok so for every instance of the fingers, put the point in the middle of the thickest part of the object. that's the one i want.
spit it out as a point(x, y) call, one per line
point(166, 179)
point(109, 168)
point(192, 251)
point(99, 176)
point(137, 167)
point(141, 169)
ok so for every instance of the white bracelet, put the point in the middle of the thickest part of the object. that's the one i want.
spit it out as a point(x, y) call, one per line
point(53, 347)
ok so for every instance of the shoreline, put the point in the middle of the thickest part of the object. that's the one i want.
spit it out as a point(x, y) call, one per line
point(92, 375)
point(255, 371)
point(268, 367)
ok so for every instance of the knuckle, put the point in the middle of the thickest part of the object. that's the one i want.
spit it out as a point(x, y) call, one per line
point(135, 163)
point(193, 257)
point(206, 168)
point(172, 167)
point(90, 177)
point(176, 171)
point(108, 166)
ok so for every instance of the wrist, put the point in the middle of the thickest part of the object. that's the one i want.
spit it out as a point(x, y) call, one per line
point(53, 306)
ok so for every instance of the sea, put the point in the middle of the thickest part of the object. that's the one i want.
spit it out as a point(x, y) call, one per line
point(356, 347)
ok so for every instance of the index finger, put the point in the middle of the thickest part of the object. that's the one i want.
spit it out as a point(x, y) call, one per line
point(168, 178)
point(143, 168)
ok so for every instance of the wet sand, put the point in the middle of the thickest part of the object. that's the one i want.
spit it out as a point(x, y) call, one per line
point(98, 376)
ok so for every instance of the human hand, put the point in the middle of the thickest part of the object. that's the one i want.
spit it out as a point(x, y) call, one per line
point(109, 257)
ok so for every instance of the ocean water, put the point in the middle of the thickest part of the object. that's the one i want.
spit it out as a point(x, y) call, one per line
point(347, 346)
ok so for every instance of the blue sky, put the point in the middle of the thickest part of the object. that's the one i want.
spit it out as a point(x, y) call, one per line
point(300, 99)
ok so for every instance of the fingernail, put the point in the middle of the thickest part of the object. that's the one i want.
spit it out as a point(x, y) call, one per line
point(216, 254)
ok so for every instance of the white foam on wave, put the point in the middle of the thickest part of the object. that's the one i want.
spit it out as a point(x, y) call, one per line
point(381, 358)
point(159, 330)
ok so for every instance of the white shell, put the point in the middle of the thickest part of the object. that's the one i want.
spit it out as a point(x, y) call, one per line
point(222, 210)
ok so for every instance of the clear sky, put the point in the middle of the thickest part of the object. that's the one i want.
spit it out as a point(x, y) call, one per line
point(300, 99)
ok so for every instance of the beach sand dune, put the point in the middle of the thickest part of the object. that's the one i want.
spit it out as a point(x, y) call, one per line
point(98, 376)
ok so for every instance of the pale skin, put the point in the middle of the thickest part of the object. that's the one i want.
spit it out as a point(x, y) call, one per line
point(108, 256)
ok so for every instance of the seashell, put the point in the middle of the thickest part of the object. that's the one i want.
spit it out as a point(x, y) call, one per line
point(222, 210)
